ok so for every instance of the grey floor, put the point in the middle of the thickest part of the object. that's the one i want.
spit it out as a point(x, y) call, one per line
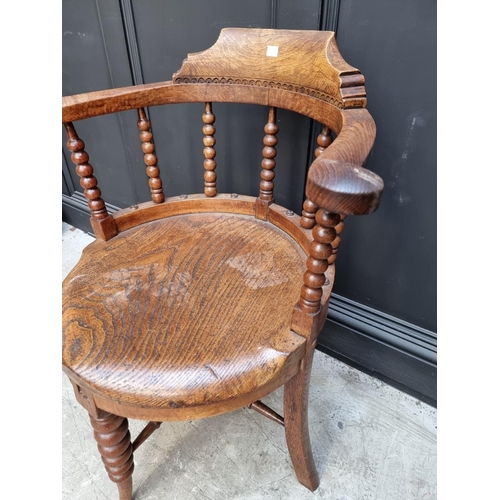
point(370, 442)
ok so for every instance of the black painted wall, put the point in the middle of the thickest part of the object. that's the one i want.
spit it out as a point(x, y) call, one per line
point(394, 42)
point(382, 316)
point(387, 261)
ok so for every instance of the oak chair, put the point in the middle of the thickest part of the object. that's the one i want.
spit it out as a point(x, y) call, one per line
point(195, 305)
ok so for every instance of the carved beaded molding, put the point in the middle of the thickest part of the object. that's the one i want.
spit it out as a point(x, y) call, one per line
point(300, 89)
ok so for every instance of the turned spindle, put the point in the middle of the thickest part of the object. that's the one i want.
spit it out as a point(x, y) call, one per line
point(336, 242)
point(324, 140)
point(309, 209)
point(85, 171)
point(113, 441)
point(269, 153)
point(209, 151)
point(320, 249)
point(148, 148)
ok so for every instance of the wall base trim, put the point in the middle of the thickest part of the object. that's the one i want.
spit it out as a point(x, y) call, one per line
point(397, 352)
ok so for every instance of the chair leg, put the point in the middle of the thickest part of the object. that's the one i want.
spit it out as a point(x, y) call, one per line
point(113, 441)
point(296, 399)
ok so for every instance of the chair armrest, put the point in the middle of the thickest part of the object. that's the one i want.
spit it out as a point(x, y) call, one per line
point(337, 181)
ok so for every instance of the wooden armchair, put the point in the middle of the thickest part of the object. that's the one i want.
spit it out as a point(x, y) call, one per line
point(196, 305)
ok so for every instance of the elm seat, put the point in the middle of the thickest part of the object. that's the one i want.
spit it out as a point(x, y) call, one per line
point(135, 332)
point(189, 306)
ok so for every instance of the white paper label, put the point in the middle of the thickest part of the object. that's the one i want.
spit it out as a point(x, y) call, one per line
point(272, 51)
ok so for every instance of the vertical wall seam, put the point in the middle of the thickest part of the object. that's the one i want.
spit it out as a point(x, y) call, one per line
point(131, 39)
point(274, 13)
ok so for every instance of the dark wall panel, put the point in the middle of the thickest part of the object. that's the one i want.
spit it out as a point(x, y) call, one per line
point(388, 260)
point(95, 57)
point(298, 15)
point(188, 26)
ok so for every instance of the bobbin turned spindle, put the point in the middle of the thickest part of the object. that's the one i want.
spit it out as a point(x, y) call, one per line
point(148, 148)
point(86, 173)
point(101, 221)
point(269, 153)
point(209, 151)
point(309, 209)
point(320, 250)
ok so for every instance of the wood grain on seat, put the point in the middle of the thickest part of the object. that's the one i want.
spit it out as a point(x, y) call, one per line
point(199, 316)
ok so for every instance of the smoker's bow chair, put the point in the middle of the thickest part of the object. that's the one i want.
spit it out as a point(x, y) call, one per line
point(192, 306)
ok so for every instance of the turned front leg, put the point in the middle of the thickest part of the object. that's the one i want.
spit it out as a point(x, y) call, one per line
point(113, 441)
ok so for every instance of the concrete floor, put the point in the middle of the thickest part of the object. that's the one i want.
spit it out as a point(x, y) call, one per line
point(370, 442)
